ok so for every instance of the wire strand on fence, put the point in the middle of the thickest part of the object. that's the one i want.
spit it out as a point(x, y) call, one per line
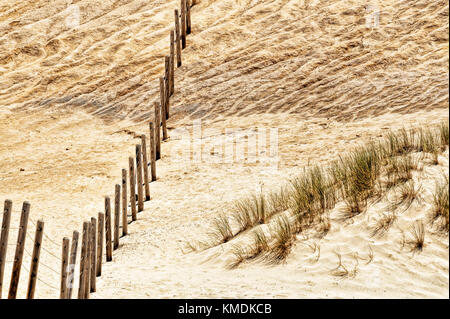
point(42, 281)
point(41, 263)
point(45, 249)
point(45, 235)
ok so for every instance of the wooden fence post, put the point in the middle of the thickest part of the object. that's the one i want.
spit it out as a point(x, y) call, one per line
point(177, 38)
point(93, 254)
point(152, 151)
point(132, 189)
point(100, 228)
point(140, 181)
point(87, 264)
point(64, 268)
point(172, 63)
point(124, 203)
point(34, 266)
point(163, 103)
point(108, 230)
point(116, 216)
point(167, 87)
point(145, 166)
point(4, 240)
point(157, 130)
point(73, 260)
point(188, 17)
point(183, 24)
point(83, 260)
point(15, 276)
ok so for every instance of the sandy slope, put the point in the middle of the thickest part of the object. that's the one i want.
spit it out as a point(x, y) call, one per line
point(312, 69)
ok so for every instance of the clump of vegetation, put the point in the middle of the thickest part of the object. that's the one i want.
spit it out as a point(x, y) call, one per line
point(407, 194)
point(342, 271)
point(383, 224)
point(222, 229)
point(251, 211)
point(441, 203)
point(417, 240)
point(284, 237)
point(312, 194)
point(356, 178)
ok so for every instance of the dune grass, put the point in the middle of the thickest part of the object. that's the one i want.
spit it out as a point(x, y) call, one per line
point(440, 210)
point(365, 173)
point(417, 240)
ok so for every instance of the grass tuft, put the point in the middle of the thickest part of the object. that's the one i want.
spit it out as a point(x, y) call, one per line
point(417, 231)
point(441, 203)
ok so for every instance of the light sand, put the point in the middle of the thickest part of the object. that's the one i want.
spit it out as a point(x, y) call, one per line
point(310, 68)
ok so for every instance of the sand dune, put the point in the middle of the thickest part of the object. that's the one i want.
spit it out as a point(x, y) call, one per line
point(77, 83)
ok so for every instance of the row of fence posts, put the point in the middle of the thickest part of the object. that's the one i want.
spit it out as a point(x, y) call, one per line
point(19, 252)
point(138, 177)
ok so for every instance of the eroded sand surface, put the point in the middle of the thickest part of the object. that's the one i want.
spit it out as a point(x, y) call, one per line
point(74, 96)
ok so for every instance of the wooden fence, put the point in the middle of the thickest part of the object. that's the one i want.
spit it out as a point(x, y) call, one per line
point(101, 234)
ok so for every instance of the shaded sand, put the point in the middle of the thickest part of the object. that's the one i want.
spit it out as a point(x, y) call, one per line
point(72, 99)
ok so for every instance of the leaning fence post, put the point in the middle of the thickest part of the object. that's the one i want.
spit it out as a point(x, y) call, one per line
point(167, 87)
point(124, 203)
point(93, 254)
point(145, 166)
point(183, 24)
point(35, 259)
point(188, 17)
point(100, 228)
point(83, 260)
point(152, 151)
point(64, 268)
point(87, 264)
point(116, 216)
point(73, 260)
point(4, 240)
point(177, 38)
point(157, 131)
point(139, 178)
point(172, 62)
point(132, 189)
point(108, 233)
point(15, 276)
point(163, 104)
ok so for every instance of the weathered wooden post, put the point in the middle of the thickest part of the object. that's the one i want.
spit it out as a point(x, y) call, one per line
point(124, 203)
point(83, 260)
point(73, 260)
point(172, 63)
point(167, 87)
point(177, 38)
point(87, 264)
point(15, 276)
point(132, 189)
point(100, 228)
point(93, 261)
point(64, 268)
point(188, 17)
point(152, 151)
point(116, 216)
point(145, 167)
point(140, 181)
point(35, 259)
point(163, 103)
point(183, 24)
point(108, 230)
point(4, 240)
point(157, 130)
